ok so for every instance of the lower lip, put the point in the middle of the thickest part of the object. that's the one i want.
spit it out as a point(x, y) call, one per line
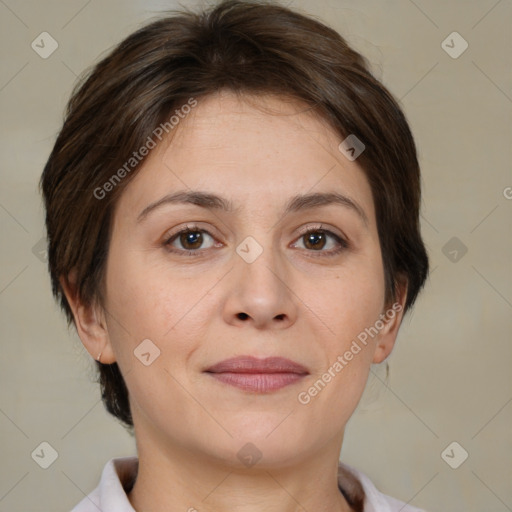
point(258, 382)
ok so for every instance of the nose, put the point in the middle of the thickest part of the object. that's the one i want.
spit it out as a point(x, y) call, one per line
point(260, 293)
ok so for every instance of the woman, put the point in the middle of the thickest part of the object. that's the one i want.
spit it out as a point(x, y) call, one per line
point(233, 221)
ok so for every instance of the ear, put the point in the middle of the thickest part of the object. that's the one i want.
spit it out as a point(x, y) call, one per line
point(392, 318)
point(89, 322)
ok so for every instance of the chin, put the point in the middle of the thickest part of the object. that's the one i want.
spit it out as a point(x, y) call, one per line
point(269, 444)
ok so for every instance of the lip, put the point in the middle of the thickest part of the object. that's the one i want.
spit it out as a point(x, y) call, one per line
point(258, 375)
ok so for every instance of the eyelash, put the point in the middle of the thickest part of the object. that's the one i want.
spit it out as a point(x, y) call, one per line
point(192, 228)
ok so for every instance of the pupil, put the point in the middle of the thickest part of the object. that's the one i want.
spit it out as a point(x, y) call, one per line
point(193, 238)
point(314, 238)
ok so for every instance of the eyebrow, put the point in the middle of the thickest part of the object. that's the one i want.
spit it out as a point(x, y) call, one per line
point(215, 202)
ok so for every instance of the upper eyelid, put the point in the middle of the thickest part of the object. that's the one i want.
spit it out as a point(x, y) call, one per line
point(191, 226)
point(196, 227)
point(322, 227)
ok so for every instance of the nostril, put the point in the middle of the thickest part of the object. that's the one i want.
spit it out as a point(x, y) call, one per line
point(280, 317)
point(243, 316)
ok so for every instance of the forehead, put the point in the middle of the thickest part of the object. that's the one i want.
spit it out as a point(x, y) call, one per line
point(244, 147)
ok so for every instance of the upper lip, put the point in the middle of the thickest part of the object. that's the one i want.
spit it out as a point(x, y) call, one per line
point(250, 364)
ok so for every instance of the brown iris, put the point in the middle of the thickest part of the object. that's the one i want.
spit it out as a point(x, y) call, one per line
point(191, 239)
point(316, 240)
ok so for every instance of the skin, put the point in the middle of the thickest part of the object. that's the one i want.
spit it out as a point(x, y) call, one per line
point(298, 302)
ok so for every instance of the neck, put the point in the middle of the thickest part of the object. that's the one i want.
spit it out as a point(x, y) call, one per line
point(176, 479)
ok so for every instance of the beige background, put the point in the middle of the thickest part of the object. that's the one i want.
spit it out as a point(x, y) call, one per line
point(450, 373)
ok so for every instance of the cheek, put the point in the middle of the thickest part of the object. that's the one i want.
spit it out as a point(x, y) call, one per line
point(135, 303)
point(349, 304)
point(148, 301)
point(353, 299)
point(138, 290)
point(143, 306)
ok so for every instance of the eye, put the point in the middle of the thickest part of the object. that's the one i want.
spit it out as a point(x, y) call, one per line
point(317, 239)
point(191, 240)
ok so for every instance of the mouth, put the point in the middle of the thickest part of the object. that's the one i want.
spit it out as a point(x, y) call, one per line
point(258, 375)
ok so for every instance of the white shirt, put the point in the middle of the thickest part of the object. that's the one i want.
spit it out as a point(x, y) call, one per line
point(119, 475)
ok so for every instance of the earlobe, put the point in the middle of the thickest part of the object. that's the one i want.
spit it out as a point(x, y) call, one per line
point(89, 321)
point(392, 320)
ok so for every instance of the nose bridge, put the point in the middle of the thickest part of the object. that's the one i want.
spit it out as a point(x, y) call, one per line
point(261, 264)
point(260, 291)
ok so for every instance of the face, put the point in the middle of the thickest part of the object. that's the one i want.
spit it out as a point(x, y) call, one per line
point(268, 270)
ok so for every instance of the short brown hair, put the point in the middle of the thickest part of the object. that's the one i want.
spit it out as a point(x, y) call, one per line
point(242, 46)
